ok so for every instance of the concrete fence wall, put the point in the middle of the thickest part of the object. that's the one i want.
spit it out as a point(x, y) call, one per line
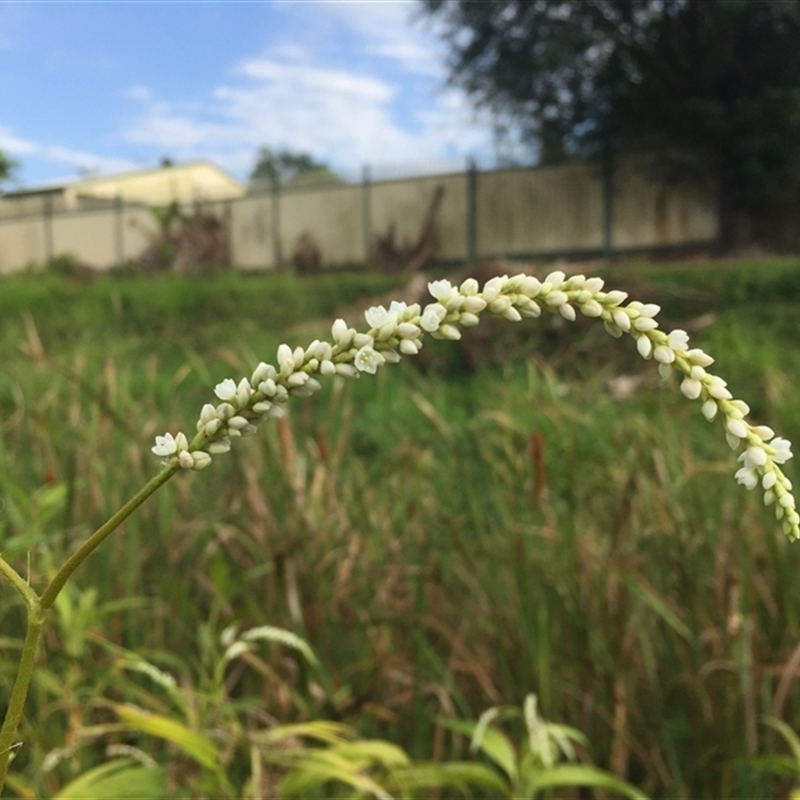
point(571, 208)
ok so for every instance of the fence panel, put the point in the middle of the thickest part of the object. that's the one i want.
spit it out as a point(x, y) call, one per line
point(253, 241)
point(404, 203)
point(332, 215)
point(650, 213)
point(89, 236)
point(539, 210)
point(22, 242)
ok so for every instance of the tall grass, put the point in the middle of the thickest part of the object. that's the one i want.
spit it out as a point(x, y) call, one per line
point(447, 537)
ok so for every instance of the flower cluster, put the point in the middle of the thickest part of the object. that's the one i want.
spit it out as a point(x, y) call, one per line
point(400, 330)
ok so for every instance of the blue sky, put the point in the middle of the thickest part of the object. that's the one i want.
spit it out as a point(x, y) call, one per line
point(114, 86)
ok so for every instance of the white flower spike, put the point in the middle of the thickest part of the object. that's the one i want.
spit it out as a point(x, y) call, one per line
point(400, 330)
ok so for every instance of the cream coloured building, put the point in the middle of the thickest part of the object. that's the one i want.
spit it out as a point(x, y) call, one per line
point(193, 182)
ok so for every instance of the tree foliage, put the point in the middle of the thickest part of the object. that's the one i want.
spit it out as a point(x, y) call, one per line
point(7, 167)
point(712, 85)
point(284, 167)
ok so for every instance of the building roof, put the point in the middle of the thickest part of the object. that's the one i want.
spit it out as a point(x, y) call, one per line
point(123, 183)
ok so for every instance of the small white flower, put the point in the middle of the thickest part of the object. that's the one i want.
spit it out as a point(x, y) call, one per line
point(755, 457)
point(709, 409)
point(473, 304)
point(665, 371)
point(297, 379)
point(716, 388)
point(243, 391)
point(368, 360)
point(591, 308)
point(327, 368)
point(493, 287)
point(260, 373)
point(500, 304)
point(378, 316)
point(764, 432)
point(165, 445)
point(782, 448)
point(747, 477)
point(768, 481)
point(566, 311)
point(469, 287)
point(238, 423)
point(622, 320)
point(697, 356)
point(664, 354)
point(219, 447)
point(615, 298)
point(207, 413)
point(644, 346)
point(226, 390)
point(644, 324)
point(531, 287)
point(555, 278)
point(200, 460)
point(678, 340)
point(556, 298)
point(398, 307)
point(338, 329)
point(736, 427)
point(432, 317)
point(593, 285)
point(185, 459)
point(407, 330)
point(409, 347)
point(449, 332)
point(442, 290)
point(691, 388)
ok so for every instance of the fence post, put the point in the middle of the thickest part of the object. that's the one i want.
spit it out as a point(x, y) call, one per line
point(119, 233)
point(48, 228)
point(472, 209)
point(608, 201)
point(276, 223)
point(366, 211)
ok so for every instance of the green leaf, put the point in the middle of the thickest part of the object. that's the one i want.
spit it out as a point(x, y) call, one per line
point(116, 780)
point(320, 730)
point(313, 768)
point(373, 750)
point(456, 774)
point(195, 745)
point(493, 743)
point(788, 734)
point(580, 775)
point(652, 600)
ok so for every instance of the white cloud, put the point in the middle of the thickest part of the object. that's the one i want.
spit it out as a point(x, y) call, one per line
point(303, 97)
point(13, 144)
point(138, 92)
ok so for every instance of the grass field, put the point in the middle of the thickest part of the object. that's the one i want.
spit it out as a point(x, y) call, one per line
point(491, 519)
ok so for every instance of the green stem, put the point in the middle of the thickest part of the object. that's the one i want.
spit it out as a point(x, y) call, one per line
point(20, 690)
point(38, 608)
point(101, 534)
point(18, 582)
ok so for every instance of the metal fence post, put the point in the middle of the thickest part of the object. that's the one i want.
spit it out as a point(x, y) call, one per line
point(366, 211)
point(276, 223)
point(119, 233)
point(48, 228)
